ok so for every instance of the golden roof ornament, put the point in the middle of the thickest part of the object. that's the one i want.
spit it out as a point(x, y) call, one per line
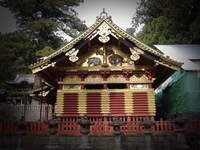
point(104, 33)
point(72, 54)
point(104, 29)
point(104, 15)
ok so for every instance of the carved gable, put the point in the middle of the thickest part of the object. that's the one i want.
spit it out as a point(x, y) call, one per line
point(105, 72)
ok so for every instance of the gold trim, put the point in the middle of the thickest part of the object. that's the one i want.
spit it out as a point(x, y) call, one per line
point(105, 91)
point(105, 102)
point(59, 103)
point(114, 28)
point(128, 102)
point(151, 102)
point(82, 103)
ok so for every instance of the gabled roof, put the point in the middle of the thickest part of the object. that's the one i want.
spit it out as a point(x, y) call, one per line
point(91, 32)
point(104, 29)
point(29, 78)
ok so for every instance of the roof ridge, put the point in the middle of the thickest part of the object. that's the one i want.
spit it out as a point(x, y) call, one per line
point(70, 44)
point(141, 44)
point(119, 32)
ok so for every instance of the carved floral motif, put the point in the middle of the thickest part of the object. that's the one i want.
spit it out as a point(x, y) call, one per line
point(72, 55)
point(104, 32)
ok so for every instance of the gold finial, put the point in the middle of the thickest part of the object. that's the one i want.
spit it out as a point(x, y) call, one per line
point(104, 14)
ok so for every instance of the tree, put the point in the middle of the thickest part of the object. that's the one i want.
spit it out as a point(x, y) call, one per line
point(130, 31)
point(168, 21)
point(42, 18)
point(46, 51)
point(16, 54)
point(38, 22)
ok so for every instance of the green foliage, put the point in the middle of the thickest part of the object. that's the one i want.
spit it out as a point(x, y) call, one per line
point(42, 18)
point(168, 21)
point(42, 31)
point(46, 51)
point(38, 21)
point(16, 53)
point(130, 31)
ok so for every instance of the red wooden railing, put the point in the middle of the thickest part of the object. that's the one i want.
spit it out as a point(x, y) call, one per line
point(8, 127)
point(163, 127)
point(99, 127)
point(31, 128)
point(193, 127)
point(37, 128)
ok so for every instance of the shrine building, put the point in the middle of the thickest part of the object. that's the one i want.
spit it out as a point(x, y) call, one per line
point(105, 72)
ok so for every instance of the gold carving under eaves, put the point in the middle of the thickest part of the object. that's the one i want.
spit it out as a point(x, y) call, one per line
point(72, 79)
point(72, 55)
point(104, 32)
point(139, 79)
point(99, 50)
point(108, 56)
point(112, 56)
point(94, 79)
point(96, 61)
point(135, 54)
point(116, 79)
point(116, 59)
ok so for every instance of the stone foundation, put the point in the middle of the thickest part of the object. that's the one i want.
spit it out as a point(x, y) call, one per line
point(105, 142)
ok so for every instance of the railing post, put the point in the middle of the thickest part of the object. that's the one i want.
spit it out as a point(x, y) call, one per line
point(105, 123)
point(180, 134)
point(53, 143)
point(21, 133)
point(46, 112)
point(147, 123)
point(85, 130)
point(116, 123)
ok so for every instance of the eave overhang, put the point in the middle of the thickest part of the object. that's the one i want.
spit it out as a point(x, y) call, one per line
point(93, 31)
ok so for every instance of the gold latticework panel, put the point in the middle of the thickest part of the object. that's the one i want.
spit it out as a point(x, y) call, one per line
point(71, 79)
point(94, 79)
point(105, 103)
point(59, 103)
point(82, 103)
point(151, 102)
point(116, 79)
point(128, 102)
point(139, 79)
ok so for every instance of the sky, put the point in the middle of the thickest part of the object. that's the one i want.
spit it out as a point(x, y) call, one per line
point(121, 12)
point(7, 21)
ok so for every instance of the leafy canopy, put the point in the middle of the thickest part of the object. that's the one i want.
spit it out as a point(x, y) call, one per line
point(38, 23)
point(168, 21)
point(42, 18)
point(16, 53)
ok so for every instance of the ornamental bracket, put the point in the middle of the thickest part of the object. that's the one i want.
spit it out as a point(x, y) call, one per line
point(72, 54)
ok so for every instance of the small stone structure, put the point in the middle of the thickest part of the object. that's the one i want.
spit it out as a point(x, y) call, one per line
point(85, 130)
point(116, 123)
point(180, 133)
point(53, 143)
point(14, 112)
point(147, 123)
point(21, 133)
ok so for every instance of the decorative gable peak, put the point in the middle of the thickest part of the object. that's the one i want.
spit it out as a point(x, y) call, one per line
point(106, 46)
point(104, 15)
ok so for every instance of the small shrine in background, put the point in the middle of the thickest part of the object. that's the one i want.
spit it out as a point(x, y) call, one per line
point(105, 72)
